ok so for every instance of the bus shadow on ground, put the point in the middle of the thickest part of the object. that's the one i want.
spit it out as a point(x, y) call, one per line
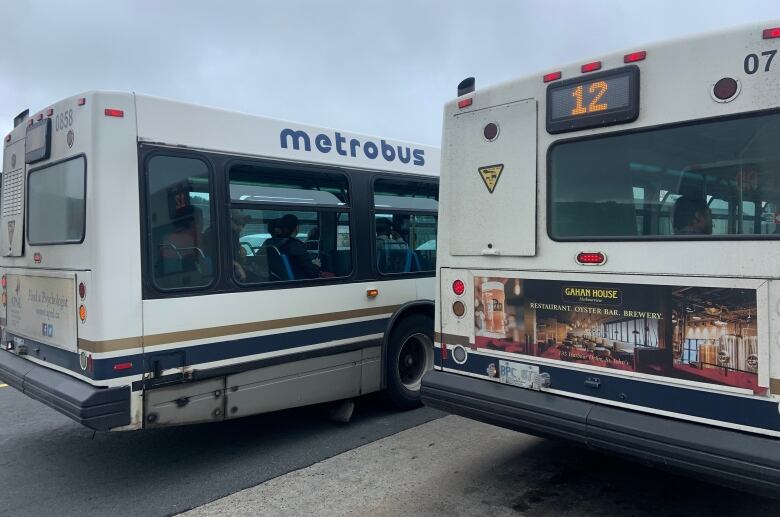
point(554, 478)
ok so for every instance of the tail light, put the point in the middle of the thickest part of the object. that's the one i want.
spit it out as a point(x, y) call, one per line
point(83, 313)
point(458, 287)
point(591, 258)
point(82, 290)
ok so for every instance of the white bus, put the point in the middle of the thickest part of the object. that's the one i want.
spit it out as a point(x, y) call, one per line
point(609, 259)
point(164, 263)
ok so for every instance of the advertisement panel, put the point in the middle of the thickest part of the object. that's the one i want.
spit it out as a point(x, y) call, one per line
point(42, 309)
point(702, 334)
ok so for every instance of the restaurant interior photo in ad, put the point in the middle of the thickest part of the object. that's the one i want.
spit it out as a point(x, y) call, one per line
point(703, 334)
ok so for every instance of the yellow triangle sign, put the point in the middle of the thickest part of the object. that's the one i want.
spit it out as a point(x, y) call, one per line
point(490, 175)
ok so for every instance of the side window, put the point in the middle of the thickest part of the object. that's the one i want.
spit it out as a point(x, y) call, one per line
point(405, 225)
point(179, 212)
point(288, 225)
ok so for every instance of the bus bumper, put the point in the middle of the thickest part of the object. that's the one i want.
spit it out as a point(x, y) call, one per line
point(97, 408)
point(731, 458)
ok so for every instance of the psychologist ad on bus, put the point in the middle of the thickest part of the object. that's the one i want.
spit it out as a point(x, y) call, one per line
point(701, 334)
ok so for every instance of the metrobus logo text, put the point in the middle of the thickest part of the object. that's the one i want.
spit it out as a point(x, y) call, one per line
point(299, 139)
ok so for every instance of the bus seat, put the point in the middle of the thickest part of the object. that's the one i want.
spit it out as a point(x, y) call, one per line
point(278, 263)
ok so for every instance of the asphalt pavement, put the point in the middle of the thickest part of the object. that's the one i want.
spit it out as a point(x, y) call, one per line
point(458, 467)
point(49, 465)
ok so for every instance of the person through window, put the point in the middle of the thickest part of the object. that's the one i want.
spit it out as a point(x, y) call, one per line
point(691, 216)
point(237, 223)
point(392, 250)
point(288, 244)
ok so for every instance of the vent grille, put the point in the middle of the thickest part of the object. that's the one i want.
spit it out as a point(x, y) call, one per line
point(13, 183)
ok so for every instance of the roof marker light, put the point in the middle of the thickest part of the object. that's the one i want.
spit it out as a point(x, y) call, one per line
point(39, 117)
point(772, 33)
point(552, 76)
point(110, 112)
point(464, 103)
point(633, 57)
point(591, 67)
point(8, 137)
point(82, 101)
point(50, 112)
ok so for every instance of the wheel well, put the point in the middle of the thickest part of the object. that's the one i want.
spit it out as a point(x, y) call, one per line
point(423, 307)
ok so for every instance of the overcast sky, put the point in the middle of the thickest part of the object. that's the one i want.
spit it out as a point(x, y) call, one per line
point(382, 68)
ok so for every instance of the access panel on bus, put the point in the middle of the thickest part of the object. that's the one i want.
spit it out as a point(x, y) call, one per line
point(492, 161)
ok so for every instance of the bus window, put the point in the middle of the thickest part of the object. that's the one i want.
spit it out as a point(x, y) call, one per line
point(288, 226)
point(56, 203)
point(405, 224)
point(179, 214)
point(709, 178)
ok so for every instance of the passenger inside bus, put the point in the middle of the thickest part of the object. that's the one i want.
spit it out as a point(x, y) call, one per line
point(293, 249)
point(393, 253)
point(691, 216)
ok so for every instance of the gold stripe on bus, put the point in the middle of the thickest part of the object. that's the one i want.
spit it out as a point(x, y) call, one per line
point(452, 339)
point(110, 345)
point(114, 345)
point(774, 386)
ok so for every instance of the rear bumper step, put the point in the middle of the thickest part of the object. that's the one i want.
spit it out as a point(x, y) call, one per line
point(732, 458)
point(97, 408)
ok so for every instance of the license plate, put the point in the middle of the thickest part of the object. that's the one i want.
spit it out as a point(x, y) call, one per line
point(517, 374)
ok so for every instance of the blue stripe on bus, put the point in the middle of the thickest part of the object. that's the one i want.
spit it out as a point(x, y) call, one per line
point(722, 407)
point(103, 369)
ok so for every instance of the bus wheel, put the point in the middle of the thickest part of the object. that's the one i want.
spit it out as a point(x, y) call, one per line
point(409, 357)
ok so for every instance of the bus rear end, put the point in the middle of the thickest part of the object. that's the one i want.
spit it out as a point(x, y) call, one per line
point(608, 259)
point(48, 252)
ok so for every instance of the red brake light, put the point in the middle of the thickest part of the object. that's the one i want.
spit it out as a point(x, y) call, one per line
point(635, 56)
point(552, 76)
point(591, 258)
point(591, 67)
point(458, 287)
point(82, 290)
point(109, 112)
point(772, 33)
point(463, 103)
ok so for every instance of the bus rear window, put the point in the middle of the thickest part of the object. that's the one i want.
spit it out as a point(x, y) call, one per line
point(55, 203)
point(708, 179)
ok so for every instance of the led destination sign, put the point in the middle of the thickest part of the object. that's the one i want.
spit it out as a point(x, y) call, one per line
point(595, 100)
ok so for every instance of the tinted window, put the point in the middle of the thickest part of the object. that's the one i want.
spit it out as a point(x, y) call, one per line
point(179, 210)
point(288, 226)
point(405, 226)
point(56, 208)
point(712, 178)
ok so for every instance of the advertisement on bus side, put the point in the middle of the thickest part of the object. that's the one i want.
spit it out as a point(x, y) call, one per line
point(701, 334)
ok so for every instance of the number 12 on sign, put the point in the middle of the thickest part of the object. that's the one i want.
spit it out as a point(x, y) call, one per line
point(599, 88)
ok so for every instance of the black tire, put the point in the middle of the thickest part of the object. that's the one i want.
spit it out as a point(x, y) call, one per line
point(409, 357)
